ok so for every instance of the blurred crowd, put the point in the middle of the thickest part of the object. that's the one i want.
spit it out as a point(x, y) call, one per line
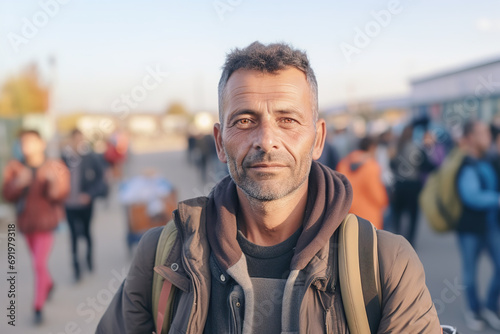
point(451, 176)
point(389, 170)
point(46, 190)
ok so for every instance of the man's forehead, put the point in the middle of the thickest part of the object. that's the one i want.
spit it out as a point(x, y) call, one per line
point(255, 78)
point(30, 136)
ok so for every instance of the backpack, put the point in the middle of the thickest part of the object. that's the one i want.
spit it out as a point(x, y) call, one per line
point(358, 273)
point(439, 199)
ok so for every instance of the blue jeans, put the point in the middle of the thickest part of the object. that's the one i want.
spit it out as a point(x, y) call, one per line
point(471, 246)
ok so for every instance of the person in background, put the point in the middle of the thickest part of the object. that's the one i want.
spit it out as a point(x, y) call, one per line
point(87, 183)
point(479, 227)
point(116, 153)
point(408, 165)
point(344, 141)
point(433, 148)
point(330, 156)
point(384, 153)
point(363, 171)
point(38, 187)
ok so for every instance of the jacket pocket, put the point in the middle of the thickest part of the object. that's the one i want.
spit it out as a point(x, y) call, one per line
point(236, 311)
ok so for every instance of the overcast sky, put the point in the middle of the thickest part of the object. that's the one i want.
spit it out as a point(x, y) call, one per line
point(358, 49)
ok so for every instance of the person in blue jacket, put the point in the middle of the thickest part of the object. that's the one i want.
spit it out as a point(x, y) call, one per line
point(479, 227)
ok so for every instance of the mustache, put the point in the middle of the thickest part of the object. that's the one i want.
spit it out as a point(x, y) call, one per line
point(262, 157)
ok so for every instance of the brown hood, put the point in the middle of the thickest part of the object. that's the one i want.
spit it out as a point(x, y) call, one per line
point(329, 200)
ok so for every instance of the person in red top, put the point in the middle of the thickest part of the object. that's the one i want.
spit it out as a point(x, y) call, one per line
point(363, 171)
point(38, 187)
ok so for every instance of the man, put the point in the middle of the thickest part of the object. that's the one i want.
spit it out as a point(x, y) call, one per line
point(87, 183)
point(479, 227)
point(253, 257)
point(38, 187)
point(363, 171)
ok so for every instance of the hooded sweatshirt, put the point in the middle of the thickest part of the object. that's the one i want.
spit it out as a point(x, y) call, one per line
point(329, 200)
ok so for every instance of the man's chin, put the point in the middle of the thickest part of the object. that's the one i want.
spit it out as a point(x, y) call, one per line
point(265, 193)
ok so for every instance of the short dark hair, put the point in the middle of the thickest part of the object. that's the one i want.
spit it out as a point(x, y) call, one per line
point(468, 127)
point(366, 143)
point(24, 132)
point(495, 131)
point(269, 58)
point(75, 132)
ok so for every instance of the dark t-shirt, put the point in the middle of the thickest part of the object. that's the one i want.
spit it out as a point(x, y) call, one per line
point(269, 262)
point(268, 268)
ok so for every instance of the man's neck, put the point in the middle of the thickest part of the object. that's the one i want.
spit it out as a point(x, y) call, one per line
point(35, 160)
point(270, 222)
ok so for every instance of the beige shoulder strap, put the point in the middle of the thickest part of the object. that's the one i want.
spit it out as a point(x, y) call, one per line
point(359, 275)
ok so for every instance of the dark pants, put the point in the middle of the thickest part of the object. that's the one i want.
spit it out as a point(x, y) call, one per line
point(79, 225)
point(405, 199)
point(471, 246)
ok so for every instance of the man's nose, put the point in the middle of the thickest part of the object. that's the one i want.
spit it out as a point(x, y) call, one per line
point(266, 137)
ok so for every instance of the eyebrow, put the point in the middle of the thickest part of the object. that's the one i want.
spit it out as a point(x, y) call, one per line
point(291, 111)
point(241, 112)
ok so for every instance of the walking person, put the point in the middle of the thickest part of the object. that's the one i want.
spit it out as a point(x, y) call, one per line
point(479, 228)
point(329, 157)
point(38, 187)
point(408, 165)
point(363, 171)
point(87, 183)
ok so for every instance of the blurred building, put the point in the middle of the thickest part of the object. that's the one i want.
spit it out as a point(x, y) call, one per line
point(368, 116)
point(450, 97)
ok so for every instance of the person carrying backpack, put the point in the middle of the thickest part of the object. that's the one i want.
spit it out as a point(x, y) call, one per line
point(87, 183)
point(264, 252)
point(478, 227)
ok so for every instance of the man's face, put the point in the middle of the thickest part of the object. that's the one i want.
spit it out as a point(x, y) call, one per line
point(76, 140)
point(269, 135)
point(31, 145)
point(481, 137)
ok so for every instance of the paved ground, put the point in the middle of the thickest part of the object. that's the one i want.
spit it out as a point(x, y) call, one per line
point(76, 308)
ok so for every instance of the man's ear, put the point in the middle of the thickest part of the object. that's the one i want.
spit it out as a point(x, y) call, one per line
point(218, 143)
point(319, 142)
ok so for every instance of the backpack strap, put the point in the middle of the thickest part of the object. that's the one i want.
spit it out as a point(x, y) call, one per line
point(163, 292)
point(359, 275)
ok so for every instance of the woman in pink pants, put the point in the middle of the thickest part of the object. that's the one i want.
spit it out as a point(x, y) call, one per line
point(38, 187)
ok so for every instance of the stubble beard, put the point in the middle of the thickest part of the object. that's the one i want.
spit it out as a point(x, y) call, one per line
point(279, 189)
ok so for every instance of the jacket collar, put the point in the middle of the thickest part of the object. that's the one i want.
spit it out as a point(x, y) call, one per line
point(329, 200)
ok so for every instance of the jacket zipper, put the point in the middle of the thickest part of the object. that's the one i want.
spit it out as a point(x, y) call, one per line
point(188, 271)
point(236, 321)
